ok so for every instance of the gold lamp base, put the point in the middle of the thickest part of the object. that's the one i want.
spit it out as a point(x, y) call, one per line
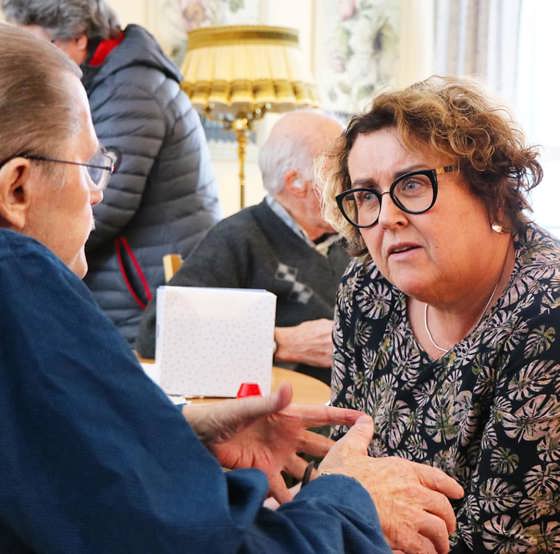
point(241, 124)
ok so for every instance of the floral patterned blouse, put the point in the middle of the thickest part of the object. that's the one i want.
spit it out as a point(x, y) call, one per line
point(487, 412)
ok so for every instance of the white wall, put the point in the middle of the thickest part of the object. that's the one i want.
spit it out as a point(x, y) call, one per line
point(131, 11)
point(416, 41)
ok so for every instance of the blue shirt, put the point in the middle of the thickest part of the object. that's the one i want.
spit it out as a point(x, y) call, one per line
point(95, 459)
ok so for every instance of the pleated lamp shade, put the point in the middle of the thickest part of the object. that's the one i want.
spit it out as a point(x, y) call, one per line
point(239, 69)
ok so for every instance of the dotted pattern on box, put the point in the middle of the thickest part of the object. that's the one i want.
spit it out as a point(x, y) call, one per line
point(210, 340)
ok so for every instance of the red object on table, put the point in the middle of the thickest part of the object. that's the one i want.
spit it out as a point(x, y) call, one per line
point(248, 389)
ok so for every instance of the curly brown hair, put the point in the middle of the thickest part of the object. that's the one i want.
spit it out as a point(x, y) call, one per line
point(455, 118)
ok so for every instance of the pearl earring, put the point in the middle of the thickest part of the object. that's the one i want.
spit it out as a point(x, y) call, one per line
point(497, 228)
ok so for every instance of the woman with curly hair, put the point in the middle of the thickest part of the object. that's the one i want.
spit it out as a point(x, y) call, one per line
point(447, 321)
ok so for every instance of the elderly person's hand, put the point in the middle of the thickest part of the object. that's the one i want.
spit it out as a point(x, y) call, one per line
point(266, 433)
point(309, 342)
point(411, 499)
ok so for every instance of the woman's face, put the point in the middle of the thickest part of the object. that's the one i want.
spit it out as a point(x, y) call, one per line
point(431, 256)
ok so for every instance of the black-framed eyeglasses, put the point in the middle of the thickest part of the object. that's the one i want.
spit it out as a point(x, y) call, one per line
point(100, 166)
point(413, 193)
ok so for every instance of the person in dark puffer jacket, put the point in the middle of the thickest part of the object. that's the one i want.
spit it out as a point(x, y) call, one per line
point(163, 198)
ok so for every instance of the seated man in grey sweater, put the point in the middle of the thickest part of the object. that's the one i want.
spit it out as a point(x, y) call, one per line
point(282, 245)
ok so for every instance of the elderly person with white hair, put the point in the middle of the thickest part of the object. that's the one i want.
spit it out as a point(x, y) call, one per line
point(163, 198)
point(282, 245)
point(95, 458)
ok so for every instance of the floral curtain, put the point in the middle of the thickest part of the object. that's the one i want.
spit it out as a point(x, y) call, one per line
point(356, 51)
point(479, 38)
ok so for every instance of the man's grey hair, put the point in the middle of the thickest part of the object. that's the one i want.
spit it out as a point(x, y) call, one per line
point(65, 19)
point(278, 155)
point(38, 113)
point(294, 141)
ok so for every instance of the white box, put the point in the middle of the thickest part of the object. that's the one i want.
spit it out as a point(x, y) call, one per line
point(210, 340)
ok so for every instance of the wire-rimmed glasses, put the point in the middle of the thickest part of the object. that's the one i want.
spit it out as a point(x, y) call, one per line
point(100, 166)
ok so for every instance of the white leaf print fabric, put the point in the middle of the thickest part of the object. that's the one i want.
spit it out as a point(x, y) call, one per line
point(488, 412)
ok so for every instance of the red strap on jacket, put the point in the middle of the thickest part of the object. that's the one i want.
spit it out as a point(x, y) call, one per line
point(121, 242)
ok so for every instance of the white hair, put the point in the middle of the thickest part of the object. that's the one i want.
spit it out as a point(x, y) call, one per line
point(292, 145)
point(277, 157)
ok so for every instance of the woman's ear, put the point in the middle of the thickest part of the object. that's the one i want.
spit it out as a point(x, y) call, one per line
point(15, 193)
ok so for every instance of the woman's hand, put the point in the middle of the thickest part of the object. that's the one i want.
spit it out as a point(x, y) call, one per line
point(411, 499)
point(266, 433)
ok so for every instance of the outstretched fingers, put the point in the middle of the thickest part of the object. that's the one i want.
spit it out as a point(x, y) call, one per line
point(317, 416)
point(278, 488)
point(315, 444)
point(253, 407)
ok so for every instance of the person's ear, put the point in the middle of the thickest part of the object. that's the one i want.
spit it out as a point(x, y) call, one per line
point(75, 48)
point(81, 43)
point(15, 193)
point(294, 184)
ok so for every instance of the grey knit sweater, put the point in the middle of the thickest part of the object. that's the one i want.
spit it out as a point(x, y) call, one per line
point(163, 198)
point(254, 248)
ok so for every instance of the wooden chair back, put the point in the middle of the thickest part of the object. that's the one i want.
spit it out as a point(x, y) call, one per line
point(171, 264)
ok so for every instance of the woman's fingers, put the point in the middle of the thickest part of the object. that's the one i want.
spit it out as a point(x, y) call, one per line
point(435, 530)
point(436, 503)
point(403, 535)
point(437, 480)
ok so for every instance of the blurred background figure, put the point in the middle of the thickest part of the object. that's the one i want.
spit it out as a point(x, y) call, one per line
point(282, 245)
point(164, 197)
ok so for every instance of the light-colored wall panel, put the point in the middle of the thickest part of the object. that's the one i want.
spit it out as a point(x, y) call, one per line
point(131, 11)
point(416, 41)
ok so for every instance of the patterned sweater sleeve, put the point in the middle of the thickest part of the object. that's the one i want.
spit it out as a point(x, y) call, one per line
point(513, 501)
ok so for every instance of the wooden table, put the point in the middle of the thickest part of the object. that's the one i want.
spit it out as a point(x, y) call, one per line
point(307, 390)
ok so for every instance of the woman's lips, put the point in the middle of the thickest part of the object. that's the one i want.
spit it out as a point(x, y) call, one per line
point(401, 249)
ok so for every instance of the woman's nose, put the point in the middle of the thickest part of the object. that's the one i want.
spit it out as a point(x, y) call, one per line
point(389, 213)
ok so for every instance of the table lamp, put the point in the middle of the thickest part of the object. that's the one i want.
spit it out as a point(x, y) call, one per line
point(234, 74)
